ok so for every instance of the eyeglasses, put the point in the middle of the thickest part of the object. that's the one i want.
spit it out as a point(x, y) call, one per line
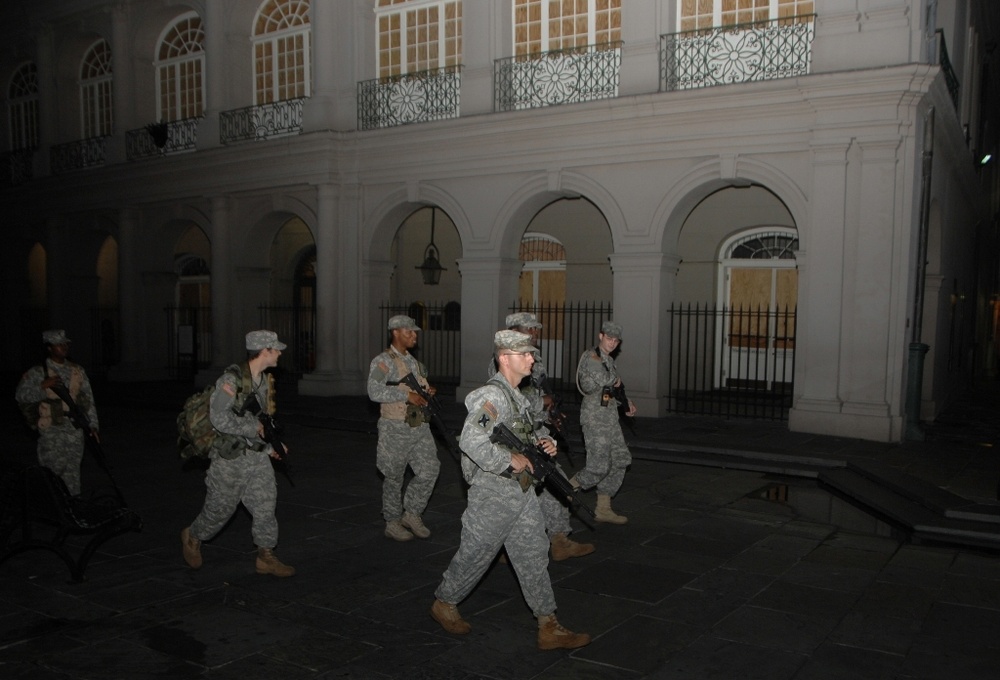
point(520, 354)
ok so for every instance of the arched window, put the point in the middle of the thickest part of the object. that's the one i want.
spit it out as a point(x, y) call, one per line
point(695, 14)
point(180, 66)
point(543, 278)
point(418, 35)
point(544, 25)
point(22, 112)
point(281, 51)
point(96, 104)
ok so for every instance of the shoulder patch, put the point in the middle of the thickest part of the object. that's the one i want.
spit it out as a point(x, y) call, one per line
point(383, 367)
point(487, 414)
point(228, 389)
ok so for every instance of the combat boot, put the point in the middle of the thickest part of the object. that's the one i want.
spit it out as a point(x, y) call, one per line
point(191, 548)
point(449, 618)
point(397, 532)
point(268, 563)
point(413, 522)
point(604, 513)
point(551, 635)
point(564, 548)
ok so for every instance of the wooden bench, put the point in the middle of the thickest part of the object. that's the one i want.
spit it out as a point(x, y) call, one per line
point(39, 513)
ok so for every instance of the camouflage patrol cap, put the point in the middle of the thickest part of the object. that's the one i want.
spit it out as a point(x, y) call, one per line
point(55, 337)
point(515, 341)
point(257, 340)
point(522, 320)
point(612, 329)
point(403, 322)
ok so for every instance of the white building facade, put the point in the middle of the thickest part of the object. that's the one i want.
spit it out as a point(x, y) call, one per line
point(235, 155)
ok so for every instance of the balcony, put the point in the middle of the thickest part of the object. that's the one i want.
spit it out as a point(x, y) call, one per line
point(261, 121)
point(17, 167)
point(83, 153)
point(409, 98)
point(566, 76)
point(159, 139)
point(741, 53)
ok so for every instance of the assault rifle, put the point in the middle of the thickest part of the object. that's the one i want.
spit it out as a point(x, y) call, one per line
point(543, 467)
point(432, 411)
point(619, 394)
point(556, 416)
point(91, 440)
point(272, 434)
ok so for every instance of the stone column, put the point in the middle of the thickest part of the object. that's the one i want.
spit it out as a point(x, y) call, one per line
point(640, 65)
point(643, 288)
point(489, 285)
point(214, 23)
point(48, 101)
point(134, 317)
point(333, 50)
point(319, 382)
point(122, 93)
point(486, 35)
point(223, 334)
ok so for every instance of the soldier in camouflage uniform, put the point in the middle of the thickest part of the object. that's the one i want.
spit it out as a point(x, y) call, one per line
point(404, 436)
point(556, 514)
point(503, 508)
point(241, 470)
point(60, 443)
point(607, 454)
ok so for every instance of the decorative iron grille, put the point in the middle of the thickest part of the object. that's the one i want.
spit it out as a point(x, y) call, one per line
point(733, 362)
point(950, 78)
point(261, 121)
point(759, 50)
point(409, 98)
point(180, 135)
point(566, 76)
point(568, 330)
point(439, 345)
point(83, 153)
point(19, 165)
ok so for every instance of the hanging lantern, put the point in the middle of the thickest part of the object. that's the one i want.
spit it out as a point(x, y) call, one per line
point(431, 268)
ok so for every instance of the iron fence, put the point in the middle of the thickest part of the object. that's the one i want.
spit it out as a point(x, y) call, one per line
point(158, 139)
point(731, 362)
point(440, 344)
point(18, 167)
point(83, 153)
point(189, 340)
point(261, 121)
point(568, 330)
point(723, 55)
point(296, 327)
point(409, 98)
point(566, 76)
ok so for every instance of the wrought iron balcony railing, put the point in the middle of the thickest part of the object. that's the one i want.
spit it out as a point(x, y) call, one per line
point(950, 78)
point(261, 121)
point(18, 167)
point(566, 76)
point(409, 98)
point(723, 55)
point(83, 153)
point(158, 139)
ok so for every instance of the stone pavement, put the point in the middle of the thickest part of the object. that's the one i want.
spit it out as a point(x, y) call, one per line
point(739, 561)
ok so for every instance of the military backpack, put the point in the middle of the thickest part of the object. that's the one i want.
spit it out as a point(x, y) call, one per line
point(195, 434)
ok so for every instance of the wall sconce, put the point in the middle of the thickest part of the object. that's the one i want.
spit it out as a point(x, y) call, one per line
point(431, 268)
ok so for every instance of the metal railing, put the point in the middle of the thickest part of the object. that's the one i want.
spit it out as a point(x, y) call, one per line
point(83, 153)
point(950, 77)
point(18, 167)
point(731, 362)
point(189, 340)
point(566, 76)
point(723, 55)
point(439, 346)
point(568, 330)
point(409, 98)
point(261, 121)
point(296, 327)
point(158, 139)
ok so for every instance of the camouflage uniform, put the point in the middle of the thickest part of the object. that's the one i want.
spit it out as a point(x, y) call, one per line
point(607, 454)
point(399, 443)
point(500, 512)
point(555, 513)
point(60, 443)
point(241, 468)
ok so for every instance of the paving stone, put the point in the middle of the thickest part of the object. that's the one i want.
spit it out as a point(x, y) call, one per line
point(709, 658)
point(640, 644)
point(876, 632)
point(840, 662)
point(800, 632)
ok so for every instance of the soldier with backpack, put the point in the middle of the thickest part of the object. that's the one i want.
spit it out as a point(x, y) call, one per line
point(240, 469)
